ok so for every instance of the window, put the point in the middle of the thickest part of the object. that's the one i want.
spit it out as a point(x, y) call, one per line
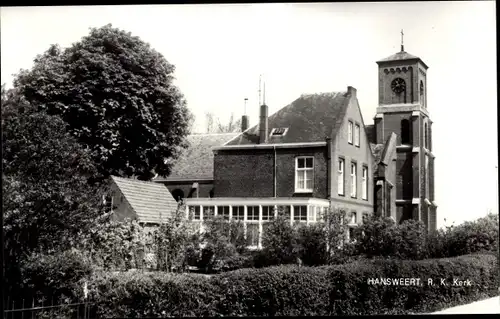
point(267, 213)
point(253, 213)
point(425, 135)
point(195, 210)
point(238, 212)
point(356, 135)
point(300, 213)
point(280, 131)
point(341, 178)
point(349, 133)
point(365, 183)
point(304, 167)
point(252, 234)
point(353, 218)
point(223, 211)
point(353, 180)
point(426, 172)
point(208, 212)
point(405, 132)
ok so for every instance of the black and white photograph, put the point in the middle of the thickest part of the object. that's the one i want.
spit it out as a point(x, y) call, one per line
point(249, 160)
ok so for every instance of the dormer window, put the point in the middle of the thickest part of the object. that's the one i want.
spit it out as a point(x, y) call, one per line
point(279, 131)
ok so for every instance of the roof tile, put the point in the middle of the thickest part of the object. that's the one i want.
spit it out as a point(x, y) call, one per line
point(152, 202)
point(310, 118)
point(197, 161)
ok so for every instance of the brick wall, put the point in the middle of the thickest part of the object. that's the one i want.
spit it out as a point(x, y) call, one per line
point(250, 173)
point(244, 173)
point(404, 177)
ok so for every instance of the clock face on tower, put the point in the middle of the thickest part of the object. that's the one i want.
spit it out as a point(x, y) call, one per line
point(398, 85)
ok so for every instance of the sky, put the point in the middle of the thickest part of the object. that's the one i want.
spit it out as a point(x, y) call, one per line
point(220, 50)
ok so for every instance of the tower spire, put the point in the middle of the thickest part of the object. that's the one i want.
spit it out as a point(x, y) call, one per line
point(402, 45)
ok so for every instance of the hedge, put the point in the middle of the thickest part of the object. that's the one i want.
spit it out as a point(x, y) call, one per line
point(293, 290)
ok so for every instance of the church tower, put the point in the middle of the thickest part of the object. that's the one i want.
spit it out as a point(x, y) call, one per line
point(403, 110)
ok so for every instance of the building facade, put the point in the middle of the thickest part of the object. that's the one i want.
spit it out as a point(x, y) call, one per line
point(317, 154)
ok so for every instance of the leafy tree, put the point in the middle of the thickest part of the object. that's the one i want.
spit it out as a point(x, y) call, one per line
point(48, 199)
point(214, 125)
point(117, 96)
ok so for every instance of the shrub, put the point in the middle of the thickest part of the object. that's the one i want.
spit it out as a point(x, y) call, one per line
point(279, 241)
point(470, 237)
point(224, 242)
point(313, 245)
point(351, 283)
point(275, 291)
point(290, 290)
point(383, 237)
point(58, 276)
point(137, 294)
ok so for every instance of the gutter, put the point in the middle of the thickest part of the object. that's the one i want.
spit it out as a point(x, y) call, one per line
point(277, 145)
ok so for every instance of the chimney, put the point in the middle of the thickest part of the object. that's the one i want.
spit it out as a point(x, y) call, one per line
point(263, 124)
point(351, 91)
point(244, 123)
point(244, 118)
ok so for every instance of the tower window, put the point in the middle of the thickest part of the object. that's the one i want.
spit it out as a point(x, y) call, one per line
point(405, 132)
point(422, 93)
point(425, 135)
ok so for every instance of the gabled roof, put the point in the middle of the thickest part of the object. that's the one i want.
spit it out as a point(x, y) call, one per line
point(197, 160)
point(310, 118)
point(152, 202)
point(401, 56)
point(389, 148)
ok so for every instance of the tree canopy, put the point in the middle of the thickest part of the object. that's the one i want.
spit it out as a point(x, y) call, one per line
point(117, 97)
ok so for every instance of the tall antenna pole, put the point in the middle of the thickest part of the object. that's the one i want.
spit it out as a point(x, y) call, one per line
point(264, 92)
point(245, 107)
point(260, 85)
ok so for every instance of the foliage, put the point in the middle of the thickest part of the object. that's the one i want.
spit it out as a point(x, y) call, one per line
point(313, 245)
point(117, 96)
point(173, 240)
point(150, 295)
point(295, 291)
point(214, 125)
point(279, 242)
point(223, 245)
point(383, 237)
point(118, 245)
point(470, 237)
point(49, 197)
point(59, 276)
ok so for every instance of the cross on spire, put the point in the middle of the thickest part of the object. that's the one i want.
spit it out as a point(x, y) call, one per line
point(402, 45)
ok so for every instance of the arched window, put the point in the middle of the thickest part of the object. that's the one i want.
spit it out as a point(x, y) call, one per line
point(178, 194)
point(422, 95)
point(405, 132)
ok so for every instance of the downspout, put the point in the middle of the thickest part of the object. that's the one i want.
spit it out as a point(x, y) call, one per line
point(274, 164)
point(328, 167)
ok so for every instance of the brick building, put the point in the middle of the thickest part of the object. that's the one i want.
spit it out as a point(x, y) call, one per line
point(317, 153)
